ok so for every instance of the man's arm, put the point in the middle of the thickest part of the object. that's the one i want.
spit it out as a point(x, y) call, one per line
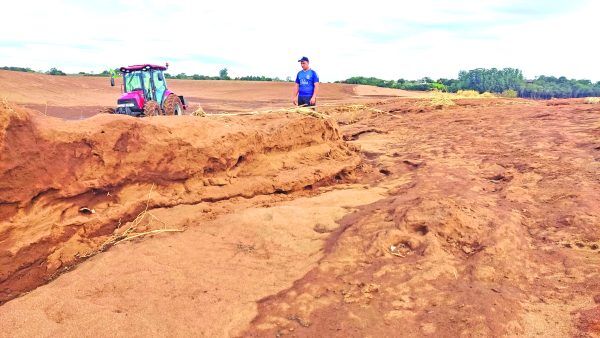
point(313, 99)
point(296, 90)
point(295, 97)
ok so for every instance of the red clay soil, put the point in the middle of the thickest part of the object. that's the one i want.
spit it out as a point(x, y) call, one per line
point(479, 219)
point(492, 228)
point(50, 169)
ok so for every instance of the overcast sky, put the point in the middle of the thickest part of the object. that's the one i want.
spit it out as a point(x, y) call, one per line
point(386, 39)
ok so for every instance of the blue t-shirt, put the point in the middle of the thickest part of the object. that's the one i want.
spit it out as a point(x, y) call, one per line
point(306, 80)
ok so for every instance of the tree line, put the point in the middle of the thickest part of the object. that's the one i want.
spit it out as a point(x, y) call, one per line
point(422, 85)
point(500, 81)
point(504, 81)
point(51, 71)
point(223, 75)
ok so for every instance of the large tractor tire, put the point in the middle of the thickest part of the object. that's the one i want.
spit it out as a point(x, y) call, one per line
point(152, 108)
point(173, 105)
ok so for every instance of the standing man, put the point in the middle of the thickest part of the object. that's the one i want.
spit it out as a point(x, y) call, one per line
point(307, 85)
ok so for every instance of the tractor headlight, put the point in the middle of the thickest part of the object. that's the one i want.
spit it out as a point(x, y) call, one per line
point(127, 103)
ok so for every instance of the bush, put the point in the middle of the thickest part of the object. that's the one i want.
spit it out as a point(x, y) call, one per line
point(592, 100)
point(54, 71)
point(510, 93)
point(438, 86)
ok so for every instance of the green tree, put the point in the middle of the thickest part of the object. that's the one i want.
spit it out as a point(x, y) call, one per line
point(54, 71)
point(223, 74)
point(490, 80)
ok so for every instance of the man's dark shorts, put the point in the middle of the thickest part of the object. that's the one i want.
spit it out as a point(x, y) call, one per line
point(304, 101)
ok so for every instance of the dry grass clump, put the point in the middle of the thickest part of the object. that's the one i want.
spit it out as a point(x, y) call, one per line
point(346, 114)
point(468, 93)
point(592, 100)
point(441, 100)
point(199, 112)
point(473, 94)
point(510, 93)
point(348, 108)
point(309, 111)
point(353, 109)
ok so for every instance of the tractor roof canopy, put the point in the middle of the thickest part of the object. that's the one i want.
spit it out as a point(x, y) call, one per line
point(141, 67)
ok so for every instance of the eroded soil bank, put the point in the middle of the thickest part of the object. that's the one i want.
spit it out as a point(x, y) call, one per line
point(65, 187)
point(479, 219)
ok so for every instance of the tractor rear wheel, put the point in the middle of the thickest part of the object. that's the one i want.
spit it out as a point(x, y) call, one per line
point(151, 108)
point(173, 105)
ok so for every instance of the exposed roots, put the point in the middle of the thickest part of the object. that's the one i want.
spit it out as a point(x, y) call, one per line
point(144, 220)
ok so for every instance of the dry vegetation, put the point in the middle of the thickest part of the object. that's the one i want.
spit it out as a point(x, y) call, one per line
point(441, 100)
point(473, 94)
point(142, 225)
point(309, 111)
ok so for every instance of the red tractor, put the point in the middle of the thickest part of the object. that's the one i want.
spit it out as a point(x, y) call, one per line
point(146, 94)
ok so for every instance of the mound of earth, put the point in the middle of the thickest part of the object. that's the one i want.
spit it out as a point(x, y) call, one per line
point(66, 187)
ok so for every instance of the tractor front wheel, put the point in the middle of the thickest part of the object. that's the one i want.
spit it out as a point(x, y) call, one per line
point(152, 108)
point(173, 105)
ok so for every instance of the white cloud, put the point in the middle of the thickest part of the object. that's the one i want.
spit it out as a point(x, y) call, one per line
point(343, 38)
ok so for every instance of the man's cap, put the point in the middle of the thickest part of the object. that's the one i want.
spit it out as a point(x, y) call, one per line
point(304, 58)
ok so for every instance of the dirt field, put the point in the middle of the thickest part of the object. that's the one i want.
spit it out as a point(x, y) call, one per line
point(78, 97)
point(390, 218)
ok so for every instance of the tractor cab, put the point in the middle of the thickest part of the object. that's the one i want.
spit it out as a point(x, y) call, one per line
point(146, 94)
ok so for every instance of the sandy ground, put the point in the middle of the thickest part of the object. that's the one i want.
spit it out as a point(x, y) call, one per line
point(390, 219)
